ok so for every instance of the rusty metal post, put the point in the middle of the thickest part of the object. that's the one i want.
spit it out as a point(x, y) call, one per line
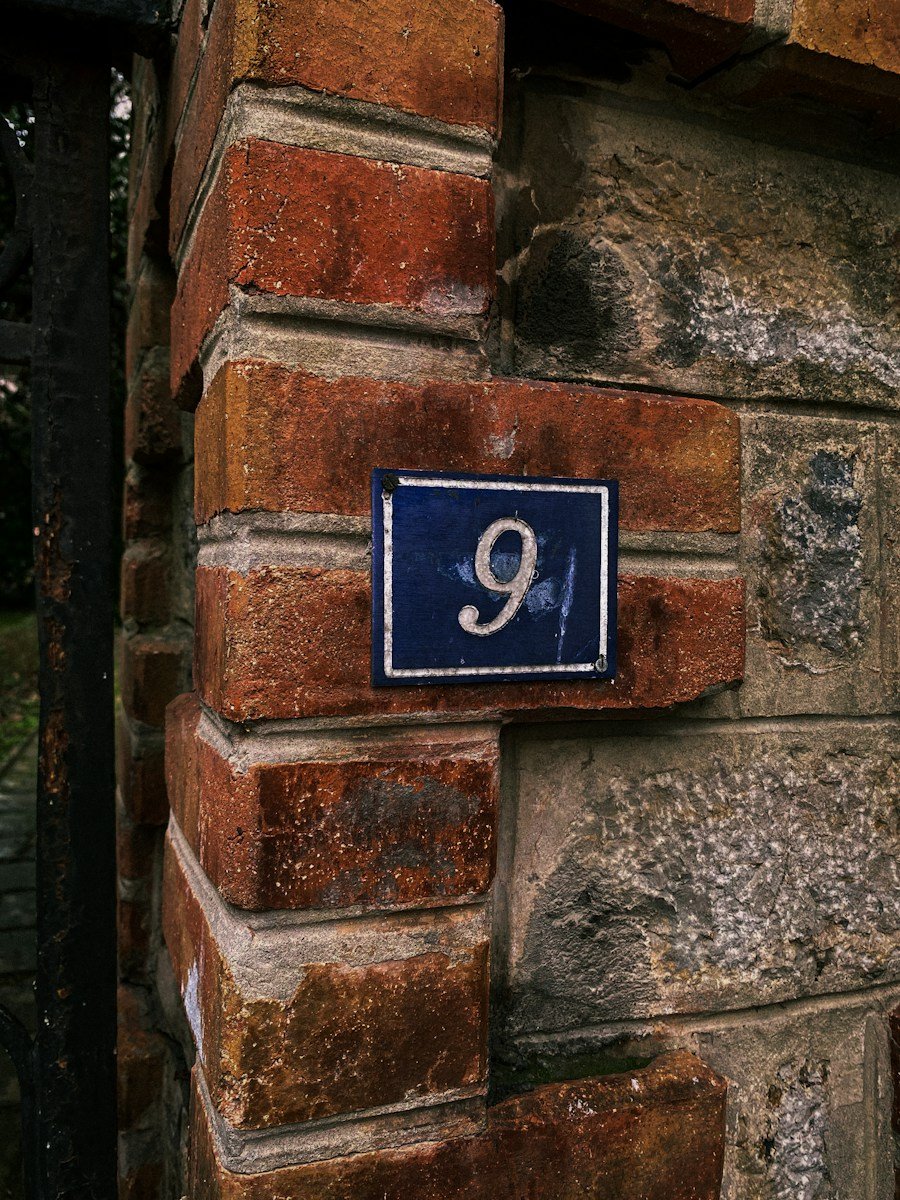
point(73, 527)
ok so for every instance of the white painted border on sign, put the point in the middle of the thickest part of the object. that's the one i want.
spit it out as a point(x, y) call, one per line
point(488, 485)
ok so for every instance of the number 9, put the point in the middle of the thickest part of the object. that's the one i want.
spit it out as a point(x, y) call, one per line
point(515, 589)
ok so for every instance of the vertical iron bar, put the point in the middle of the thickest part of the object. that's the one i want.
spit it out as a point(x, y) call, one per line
point(73, 526)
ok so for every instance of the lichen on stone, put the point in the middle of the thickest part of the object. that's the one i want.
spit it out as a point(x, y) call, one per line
point(812, 566)
point(795, 1149)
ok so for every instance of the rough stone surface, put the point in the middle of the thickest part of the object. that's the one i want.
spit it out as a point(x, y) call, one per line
point(296, 641)
point(684, 871)
point(813, 560)
point(399, 821)
point(652, 1135)
point(643, 241)
point(389, 1014)
point(809, 1100)
point(285, 221)
point(887, 450)
point(279, 440)
point(815, 556)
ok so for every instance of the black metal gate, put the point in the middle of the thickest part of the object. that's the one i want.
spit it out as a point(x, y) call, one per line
point(56, 57)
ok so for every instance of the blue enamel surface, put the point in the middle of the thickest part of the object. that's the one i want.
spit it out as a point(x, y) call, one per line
point(435, 532)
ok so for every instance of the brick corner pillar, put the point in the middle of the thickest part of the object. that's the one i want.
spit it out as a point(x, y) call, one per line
point(331, 850)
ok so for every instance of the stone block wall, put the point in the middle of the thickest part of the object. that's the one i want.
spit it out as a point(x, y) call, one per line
point(631, 939)
point(722, 879)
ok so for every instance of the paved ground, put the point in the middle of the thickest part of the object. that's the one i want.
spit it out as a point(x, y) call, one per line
point(17, 940)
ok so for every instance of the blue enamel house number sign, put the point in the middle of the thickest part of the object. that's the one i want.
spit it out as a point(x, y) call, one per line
point(492, 578)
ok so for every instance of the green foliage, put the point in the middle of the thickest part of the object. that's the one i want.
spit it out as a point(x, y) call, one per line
point(16, 564)
point(18, 681)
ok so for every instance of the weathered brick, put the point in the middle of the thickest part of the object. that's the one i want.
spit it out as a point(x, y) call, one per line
point(849, 29)
point(440, 60)
point(144, 593)
point(698, 34)
point(147, 224)
point(140, 774)
point(152, 421)
point(148, 318)
point(139, 864)
point(152, 1082)
point(296, 1022)
point(280, 440)
point(808, 1087)
point(204, 111)
point(295, 641)
point(153, 670)
point(141, 1058)
point(183, 765)
point(191, 34)
point(146, 504)
point(145, 105)
point(142, 1182)
point(286, 221)
point(673, 870)
point(387, 821)
point(654, 1134)
point(137, 848)
point(737, 11)
point(788, 70)
point(146, 167)
point(135, 927)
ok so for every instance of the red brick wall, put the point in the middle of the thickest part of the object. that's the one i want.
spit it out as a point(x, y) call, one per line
point(313, 267)
point(384, 837)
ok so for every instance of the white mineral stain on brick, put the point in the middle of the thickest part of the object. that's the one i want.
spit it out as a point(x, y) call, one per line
point(503, 445)
point(192, 1007)
point(454, 299)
